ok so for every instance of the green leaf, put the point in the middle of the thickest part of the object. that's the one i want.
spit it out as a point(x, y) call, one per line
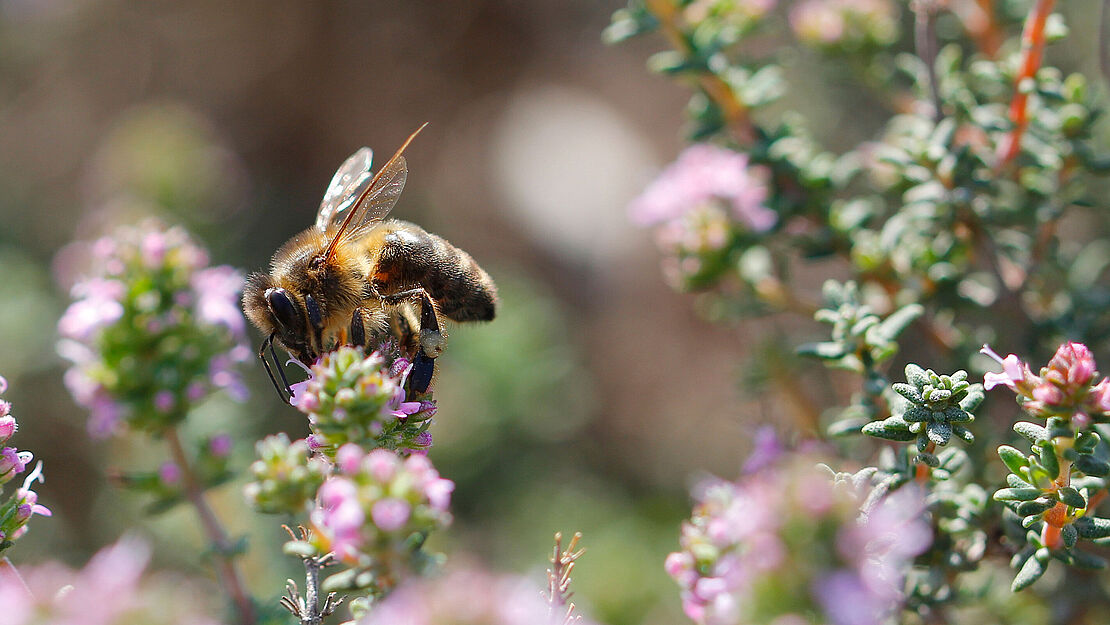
point(1012, 458)
point(1084, 560)
point(1092, 527)
point(1092, 466)
point(892, 429)
point(1030, 572)
point(1036, 506)
point(828, 350)
point(1071, 497)
point(1031, 431)
point(1069, 535)
point(916, 376)
point(899, 320)
point(1049, 460)
point(1017, 494)
point(939, 433)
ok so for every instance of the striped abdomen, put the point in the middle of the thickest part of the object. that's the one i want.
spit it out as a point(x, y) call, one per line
point(409, 257)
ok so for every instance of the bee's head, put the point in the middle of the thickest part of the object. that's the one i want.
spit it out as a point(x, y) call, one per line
point(290, 317)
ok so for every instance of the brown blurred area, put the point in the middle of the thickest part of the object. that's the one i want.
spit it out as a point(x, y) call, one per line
point(230, 117)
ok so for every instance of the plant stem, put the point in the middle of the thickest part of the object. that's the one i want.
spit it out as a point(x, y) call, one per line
point(735, 113)
point(982, 27)
point(925, 40)
point(1032, 51)
point(923, 472)
point(222, 547)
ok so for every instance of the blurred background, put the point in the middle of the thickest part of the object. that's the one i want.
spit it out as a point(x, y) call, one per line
point(584, 407)
point(588, 405)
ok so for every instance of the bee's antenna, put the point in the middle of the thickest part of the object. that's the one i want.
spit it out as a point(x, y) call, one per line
point(369, 189)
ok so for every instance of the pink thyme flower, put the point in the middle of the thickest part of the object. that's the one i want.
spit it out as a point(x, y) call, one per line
point(220, 445)
point(366, 513)
point(110, 590)
point(8, 427)
point(169, 473)
point(756, 546)
point(1065, 387)
point(704, 173)
point(390, 514)
point(1013, 370)
point(463, 596)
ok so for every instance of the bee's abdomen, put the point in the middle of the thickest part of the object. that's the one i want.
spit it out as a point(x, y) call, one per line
point(411, 257)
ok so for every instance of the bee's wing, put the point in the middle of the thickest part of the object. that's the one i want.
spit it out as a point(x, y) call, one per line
point(382, 198)
point(346, 185)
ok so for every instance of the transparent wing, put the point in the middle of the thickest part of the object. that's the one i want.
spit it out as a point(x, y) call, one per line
point(381, 199)
point(348, 183)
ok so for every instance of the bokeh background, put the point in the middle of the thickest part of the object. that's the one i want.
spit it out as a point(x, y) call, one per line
point(589, 403)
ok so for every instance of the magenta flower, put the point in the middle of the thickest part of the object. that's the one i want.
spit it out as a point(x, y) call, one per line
point(702, 174)
point(220, 445)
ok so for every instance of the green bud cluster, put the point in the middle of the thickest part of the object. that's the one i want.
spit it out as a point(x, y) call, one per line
point(286, 476)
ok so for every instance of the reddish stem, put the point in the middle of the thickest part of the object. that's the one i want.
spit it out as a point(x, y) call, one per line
point(735, 113)
point(1032, 51)
point(225, 567)
point(923, 472)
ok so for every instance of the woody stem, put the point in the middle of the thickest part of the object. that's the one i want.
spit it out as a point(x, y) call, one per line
point(225, 566)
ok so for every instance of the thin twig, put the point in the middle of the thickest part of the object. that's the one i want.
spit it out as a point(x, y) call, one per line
point(1032, 51)
point(925, 40)
point(560, 610)
point(222, 546)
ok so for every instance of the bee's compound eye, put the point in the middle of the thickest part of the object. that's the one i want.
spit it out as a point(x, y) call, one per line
point(283, 308)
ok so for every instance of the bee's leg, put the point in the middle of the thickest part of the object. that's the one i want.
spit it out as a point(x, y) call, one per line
point(317, 321)
point(357, 333)
point(431, 340)
point(285, 393)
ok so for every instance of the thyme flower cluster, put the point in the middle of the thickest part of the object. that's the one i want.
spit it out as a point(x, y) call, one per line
point(376, 503)
point(702, 206)
point(351, 397)
point(15, 511)
point(785, 543)
point(286, 476)
point(1056, 488)
point(153, 330)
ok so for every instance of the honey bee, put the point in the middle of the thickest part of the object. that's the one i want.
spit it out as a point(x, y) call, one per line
point(355, 278)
